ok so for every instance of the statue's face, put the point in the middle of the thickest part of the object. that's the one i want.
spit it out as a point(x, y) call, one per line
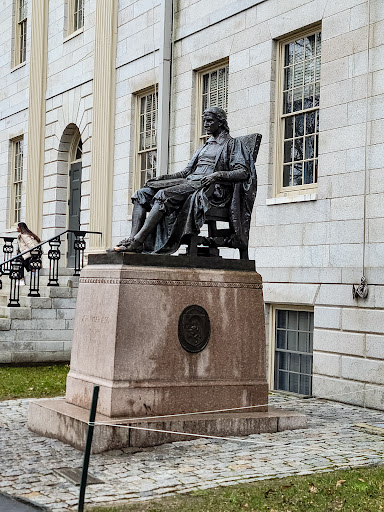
point(211, 124)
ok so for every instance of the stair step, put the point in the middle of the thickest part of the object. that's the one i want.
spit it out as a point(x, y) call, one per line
point(5, 324)
point(20, 313)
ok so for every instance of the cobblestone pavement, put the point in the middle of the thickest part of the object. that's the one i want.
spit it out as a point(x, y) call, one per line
point(331, 441)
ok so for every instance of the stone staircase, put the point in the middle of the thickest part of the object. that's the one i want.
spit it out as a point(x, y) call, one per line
point(40, 330)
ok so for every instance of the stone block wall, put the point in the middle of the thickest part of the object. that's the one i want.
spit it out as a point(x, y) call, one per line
point(309, 248)
point(14, 98)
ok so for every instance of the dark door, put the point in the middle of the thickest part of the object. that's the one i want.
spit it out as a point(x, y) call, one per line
point(73, 209)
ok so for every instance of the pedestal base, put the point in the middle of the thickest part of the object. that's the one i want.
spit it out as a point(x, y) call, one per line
point(164, 335)
point(69, 423)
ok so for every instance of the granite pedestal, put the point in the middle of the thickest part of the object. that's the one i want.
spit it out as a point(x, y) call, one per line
point(127, 340)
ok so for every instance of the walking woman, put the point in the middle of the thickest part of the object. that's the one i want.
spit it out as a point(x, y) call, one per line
point(26, 240)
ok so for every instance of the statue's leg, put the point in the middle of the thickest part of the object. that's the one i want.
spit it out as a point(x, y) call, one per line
point(152, 220)
point(138, 218)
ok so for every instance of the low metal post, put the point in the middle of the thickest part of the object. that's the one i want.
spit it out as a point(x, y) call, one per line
point(16, 273)
point(79, 247)
point(53, 257)
point(87, 451)
point(8, 251)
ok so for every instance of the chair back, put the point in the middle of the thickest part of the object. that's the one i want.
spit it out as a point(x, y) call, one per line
point(252, 143)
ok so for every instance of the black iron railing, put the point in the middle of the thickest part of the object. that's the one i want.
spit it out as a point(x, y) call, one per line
point(13, 266)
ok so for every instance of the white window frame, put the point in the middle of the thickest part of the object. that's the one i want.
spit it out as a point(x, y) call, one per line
point(16, 181)
point(272, 336)
point(278, 189)
point(200, 136)
point(139, 151)
point(20, 31)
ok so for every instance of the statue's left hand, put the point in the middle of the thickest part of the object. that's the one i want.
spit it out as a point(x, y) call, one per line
point(211, 178)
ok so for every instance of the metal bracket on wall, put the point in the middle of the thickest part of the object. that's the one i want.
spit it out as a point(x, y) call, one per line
point(360, 290)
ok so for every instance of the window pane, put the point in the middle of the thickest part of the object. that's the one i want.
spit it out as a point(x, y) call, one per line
point(309, 46)
point(310, 122)
point(308, 97)
point(283, 381)
point(291, 340)
point(79, 150)
point(303, 342)
point(309, 71)
point(289, 127)
point(292, 320)
point(287, 102)
point(303, 321)
point(298, 149)
point(288, 147)
point(308, 172)
point(298, 75)
point(305, 385)
point(310, 146)
point(297, 99)
point(294, 382)
point(281, 339)
point(297, 174)
point(281, 319)
point(299, 125)
point(306, 364)
point(288, 78)
point(294, 363)
point(299, 50)
point(289, 51)
point(283, 360)
point(287, 171)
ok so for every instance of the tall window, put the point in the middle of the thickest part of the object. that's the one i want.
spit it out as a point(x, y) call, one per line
point(74, 16)
point(17, 180)
point(78, 14)
point(147, 136)
point(21, 32)
point(213, 92)
point(293, 351)
point(300, 61)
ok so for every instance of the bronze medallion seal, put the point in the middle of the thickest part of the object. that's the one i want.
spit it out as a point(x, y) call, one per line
point(194, 329)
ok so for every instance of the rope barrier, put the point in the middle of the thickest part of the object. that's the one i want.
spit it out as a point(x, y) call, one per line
point(295, 401)
point(266, 444)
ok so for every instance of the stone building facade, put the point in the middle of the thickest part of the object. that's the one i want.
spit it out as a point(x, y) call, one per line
point(120, 86)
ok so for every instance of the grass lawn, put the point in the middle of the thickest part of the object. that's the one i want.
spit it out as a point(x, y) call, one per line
point(32, 381)
point(357, 490)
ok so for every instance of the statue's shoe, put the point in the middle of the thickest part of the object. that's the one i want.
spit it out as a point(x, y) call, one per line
point(133, 246)
point(125, 241)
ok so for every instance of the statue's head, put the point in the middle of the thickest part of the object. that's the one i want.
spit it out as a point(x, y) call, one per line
point(220, 115)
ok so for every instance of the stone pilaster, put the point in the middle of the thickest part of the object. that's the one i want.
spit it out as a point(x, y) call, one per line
point(103, 125)
point(36, 115)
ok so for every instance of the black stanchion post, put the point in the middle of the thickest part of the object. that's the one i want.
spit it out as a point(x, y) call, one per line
point(87, 451)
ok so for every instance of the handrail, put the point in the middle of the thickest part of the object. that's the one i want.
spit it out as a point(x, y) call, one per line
point(14, 266)
point(47, 241)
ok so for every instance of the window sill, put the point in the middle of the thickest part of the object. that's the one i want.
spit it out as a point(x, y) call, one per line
point(299, 198)
point(74, 34)
point(18, 66)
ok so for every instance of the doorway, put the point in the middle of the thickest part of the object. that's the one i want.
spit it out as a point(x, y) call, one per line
point(74, 202)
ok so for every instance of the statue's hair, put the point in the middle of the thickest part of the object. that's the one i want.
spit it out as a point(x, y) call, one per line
point(220, 115)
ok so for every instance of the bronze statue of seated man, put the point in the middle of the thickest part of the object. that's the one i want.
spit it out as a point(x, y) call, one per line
point(172, 207)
